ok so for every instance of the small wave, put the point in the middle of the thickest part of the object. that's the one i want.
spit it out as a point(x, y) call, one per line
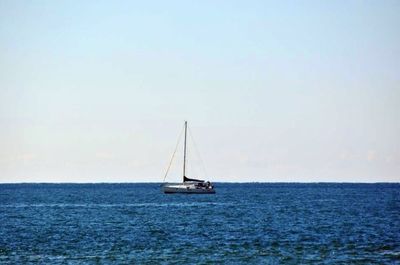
point(53, 257)
point(391, 253)
point(116, 205)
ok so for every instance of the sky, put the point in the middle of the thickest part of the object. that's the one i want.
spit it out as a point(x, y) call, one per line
point(273, 91)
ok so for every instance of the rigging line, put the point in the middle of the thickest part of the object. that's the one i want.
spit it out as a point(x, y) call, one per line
point(173, 155)
point(197, 152)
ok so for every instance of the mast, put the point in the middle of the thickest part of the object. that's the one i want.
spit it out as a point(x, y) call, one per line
point(184, 154)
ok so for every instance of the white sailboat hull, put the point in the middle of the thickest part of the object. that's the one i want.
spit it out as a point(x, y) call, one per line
point(186, 188)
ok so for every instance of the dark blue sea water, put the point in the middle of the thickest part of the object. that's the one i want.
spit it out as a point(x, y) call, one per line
point(241, 224)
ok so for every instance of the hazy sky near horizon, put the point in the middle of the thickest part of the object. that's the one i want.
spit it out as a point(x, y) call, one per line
point(97, 91)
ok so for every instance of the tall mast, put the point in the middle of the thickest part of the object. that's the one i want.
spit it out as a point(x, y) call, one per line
point(184, 154)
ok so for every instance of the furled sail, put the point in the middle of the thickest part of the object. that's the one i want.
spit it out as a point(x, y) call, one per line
point(188, 179)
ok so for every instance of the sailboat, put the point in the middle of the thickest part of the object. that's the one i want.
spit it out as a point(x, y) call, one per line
point(188, 185)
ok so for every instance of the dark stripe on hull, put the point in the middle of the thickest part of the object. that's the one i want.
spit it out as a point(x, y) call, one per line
point(190, 191)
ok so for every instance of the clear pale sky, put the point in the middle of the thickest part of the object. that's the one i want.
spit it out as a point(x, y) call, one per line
point(302, 91)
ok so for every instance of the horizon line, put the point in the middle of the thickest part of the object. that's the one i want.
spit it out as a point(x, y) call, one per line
point(228, 182)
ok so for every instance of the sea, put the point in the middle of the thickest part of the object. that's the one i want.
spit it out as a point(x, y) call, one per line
point(243, 223)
